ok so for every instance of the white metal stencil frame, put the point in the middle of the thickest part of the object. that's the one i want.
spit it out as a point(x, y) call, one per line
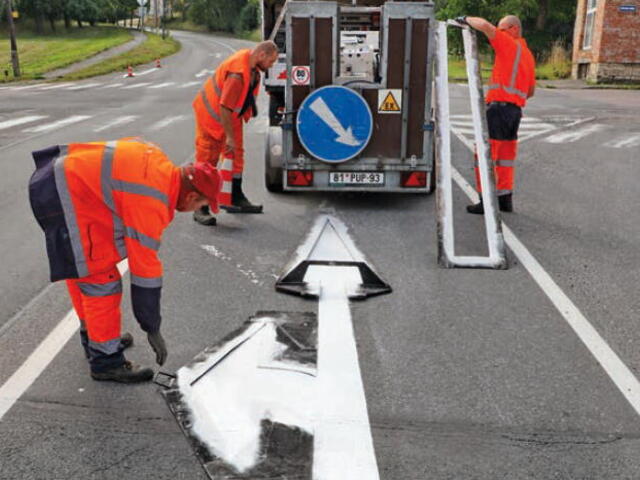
point(444, 188)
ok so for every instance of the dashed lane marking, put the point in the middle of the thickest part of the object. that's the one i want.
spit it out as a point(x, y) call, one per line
point(113, 85)
point(115, 123)
point(85, 85)
point(614, 367)
point(57, 85)
point(20, 121)
point(162, 85)
point(146, 72)
point(60, 123)
point(137, 85)
point(190, 84)
point(574, 135)
point(624, 142)
point(166, 122)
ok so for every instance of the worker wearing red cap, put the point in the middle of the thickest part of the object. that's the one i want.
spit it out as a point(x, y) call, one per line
point(99, 203)
point(226, 101)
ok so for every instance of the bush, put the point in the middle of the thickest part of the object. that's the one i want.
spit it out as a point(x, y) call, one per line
point(249, 17)
point(559, 60)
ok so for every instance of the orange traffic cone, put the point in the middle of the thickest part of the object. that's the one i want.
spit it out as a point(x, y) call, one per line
point(130, 71)
point(158, 63)
point(226, 174)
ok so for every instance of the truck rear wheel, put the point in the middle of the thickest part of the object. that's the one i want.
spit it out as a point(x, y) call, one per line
point(273, 160)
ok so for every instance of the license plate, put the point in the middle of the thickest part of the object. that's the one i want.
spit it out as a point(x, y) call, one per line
point(356, 178)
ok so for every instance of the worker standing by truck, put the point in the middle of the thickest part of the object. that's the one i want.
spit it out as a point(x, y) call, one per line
point(97, 204)
point(226, 101)
point(512, 83)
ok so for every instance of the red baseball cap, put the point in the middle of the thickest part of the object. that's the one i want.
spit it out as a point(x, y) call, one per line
point(206, 180)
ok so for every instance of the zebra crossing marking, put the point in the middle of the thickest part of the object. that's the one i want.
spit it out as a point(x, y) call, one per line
point(20, 121)
point(60, 123)
point(117, 122)
point(624, 142)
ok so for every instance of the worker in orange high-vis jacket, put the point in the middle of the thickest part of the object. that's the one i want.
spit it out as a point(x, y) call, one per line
point(226, 101)
point(99, 203)
point(512, 83)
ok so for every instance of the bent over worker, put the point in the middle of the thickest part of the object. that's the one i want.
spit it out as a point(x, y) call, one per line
point(99, 203)
point(226, 101)
point(512, 83)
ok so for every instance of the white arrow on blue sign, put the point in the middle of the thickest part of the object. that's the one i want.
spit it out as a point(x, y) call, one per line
point(334, 124)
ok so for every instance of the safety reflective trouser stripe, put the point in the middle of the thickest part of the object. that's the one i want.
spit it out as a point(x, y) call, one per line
point(96, 300)
point(514, 74)
point(69, 212)
point(503, 154)
point(146, 282)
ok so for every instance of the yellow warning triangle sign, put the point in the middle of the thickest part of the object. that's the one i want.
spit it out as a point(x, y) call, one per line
point(389, 104)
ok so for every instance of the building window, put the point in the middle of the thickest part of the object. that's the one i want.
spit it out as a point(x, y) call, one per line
point(588, 23)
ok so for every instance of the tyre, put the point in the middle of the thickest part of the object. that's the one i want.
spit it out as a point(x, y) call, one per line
point(273, 159)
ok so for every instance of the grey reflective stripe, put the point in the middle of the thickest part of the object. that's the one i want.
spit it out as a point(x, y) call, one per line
point(69, 212)
point(226, 187)
point(100, 289)
point(219, 92)
point(144, 240)
point(516, 66)
point(504, 163)
point(155, 282)
point(208, 106)
point(108, 348)
point(106, 183)
point(140, 189)
point(503, 192)
point(216, 88)
point(513, 91)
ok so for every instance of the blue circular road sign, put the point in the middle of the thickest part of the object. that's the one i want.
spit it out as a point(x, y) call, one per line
point(334, 124)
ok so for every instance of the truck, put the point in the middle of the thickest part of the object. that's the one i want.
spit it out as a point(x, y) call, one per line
point(350, 96)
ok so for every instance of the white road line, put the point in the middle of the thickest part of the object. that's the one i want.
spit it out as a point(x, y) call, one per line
point(41, 357)
point(202, 73)
point(56, 86)
point(37, 362)
point(624, 142)
point(166, 122)
point(113, 85)
point(137, 85)
point(118, 121)
point(224, 45)
point(85, 85)
point(615, 368)
point(28, 87)
point(574, 135)
point(59, 123)
point(190, 84)
point(162, 85)
point(20, 121)
point(151, 70)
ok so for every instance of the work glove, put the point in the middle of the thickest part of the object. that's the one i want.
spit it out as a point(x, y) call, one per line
point(462, 20)
point(157, 343)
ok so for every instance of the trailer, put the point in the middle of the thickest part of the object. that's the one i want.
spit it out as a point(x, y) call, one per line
point(350, 96)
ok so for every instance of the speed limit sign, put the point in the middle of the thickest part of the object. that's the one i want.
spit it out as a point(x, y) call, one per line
point(301, 75)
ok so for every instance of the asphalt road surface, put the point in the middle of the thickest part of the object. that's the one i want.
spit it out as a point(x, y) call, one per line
point(528, 373)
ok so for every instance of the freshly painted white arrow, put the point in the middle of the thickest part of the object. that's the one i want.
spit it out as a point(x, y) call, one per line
point(233, 390)
point(320, 108)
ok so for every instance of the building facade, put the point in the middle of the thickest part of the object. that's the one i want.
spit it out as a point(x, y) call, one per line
point(606, 41)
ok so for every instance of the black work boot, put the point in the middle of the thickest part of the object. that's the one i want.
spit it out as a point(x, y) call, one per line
point(239, 201)
point(125, 373)
point(477, 209)
point(506, 203)
point(204, 217)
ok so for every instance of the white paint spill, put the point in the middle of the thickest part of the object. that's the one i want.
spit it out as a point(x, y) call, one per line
point(229, 402)
point(574, 135)
point(250, 274)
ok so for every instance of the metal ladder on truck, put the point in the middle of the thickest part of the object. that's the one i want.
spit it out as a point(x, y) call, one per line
point(447, 257)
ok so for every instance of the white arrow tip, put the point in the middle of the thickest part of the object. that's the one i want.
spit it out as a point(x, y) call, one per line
point(347, 138)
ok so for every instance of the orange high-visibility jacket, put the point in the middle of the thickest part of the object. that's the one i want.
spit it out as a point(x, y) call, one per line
point(513, 72)
point(104, 201)
point(206, 104)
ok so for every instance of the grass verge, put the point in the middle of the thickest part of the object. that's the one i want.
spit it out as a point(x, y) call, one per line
point(152, 48)
point(39, 54)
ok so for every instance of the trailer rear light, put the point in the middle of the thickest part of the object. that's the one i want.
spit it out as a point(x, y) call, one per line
point(414, 179)
point(300, 178)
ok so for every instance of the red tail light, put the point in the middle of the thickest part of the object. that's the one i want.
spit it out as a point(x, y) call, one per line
point(414, 179)
point(299, 178)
